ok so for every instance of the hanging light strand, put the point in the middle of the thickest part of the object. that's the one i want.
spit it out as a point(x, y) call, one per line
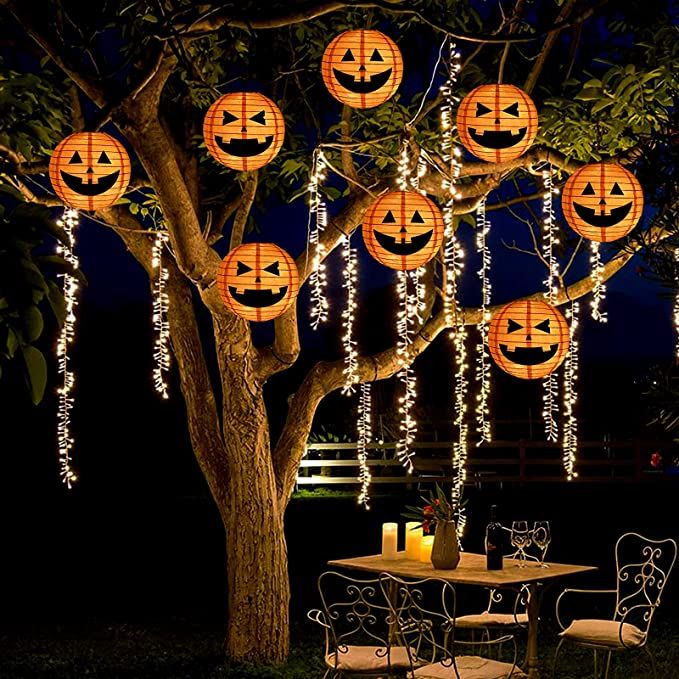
point(599, 290)
point(161, 324)
point(364, 438)
point(570, 434)
point(675, 312)
point(68, 222)
point(482, 355)
point(348, 316)
point(318, 216)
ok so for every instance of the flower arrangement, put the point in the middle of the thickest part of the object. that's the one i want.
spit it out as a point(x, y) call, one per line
point(437, 508)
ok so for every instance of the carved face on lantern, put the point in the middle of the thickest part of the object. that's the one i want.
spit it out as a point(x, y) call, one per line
point(602, 201)
point(497, 122)
point(362, 68)
point(244, 130)
point(258, 281)
point(89, 170)
point(528, 338)
point(403, 230)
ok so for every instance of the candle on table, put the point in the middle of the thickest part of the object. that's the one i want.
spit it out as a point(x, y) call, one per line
point(389, 540)
point(413, 539)
point(426, 545)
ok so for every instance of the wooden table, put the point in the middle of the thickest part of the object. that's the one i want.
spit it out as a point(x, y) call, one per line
point(472, 571)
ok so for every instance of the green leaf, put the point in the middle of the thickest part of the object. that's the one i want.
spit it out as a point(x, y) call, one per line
point(35, 372)
point(33, 323)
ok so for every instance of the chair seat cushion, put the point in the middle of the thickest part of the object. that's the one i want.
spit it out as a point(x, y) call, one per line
point(370, 658)
point(604, 633)
point(468, 667)
point(491, 620)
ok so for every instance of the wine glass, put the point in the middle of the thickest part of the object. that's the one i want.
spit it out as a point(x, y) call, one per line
point(542, 536)
point(520, 539)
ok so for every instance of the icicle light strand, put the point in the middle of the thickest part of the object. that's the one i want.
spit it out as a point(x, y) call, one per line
point(570, 435)
point(319, 221)
point(483, 357)
point(364, 438)
point(68, 222)
point(161, 324)
point(348, 317)
point(599, 290)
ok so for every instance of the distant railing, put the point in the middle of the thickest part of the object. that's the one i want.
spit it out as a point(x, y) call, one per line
point(522, 461)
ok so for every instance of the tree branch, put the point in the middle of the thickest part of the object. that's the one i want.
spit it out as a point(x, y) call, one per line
point(243, 210)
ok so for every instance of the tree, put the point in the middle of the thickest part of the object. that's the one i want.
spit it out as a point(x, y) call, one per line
point(151, 69)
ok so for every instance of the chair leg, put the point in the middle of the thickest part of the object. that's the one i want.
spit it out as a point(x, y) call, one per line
point(608, 665)
point(652, 659)
point(596, 664)
point(556, 655)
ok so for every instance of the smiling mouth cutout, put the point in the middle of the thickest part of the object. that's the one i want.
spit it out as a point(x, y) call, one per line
point(77, 184)
point(602, 221)
point(529, 355)
point(403, 249)
point(497, 139)
point(244, 148)
point(258, 299)
point(372, 84)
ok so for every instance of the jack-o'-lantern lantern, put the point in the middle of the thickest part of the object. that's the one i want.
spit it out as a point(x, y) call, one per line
point(403, 230)
point(497, 122)
point(602, 201)
point(528, 338)
point(258, 281)
point(89, 170)
point(362, 68)
point(244, 130)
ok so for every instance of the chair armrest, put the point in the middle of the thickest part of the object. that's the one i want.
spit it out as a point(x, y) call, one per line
point(488, 642)
point(577, 591)
point(316, 615)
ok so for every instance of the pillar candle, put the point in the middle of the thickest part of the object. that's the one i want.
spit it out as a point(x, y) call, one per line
point(413, 539)
point(389, 540)
point(426, 545)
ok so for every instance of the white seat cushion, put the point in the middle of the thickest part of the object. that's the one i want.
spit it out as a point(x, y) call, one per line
point(604, 632)
point(468, 667)
point(370, 658)
point(486, 619)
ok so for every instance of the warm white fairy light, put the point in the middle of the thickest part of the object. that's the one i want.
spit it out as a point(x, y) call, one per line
point(319, 220)
point(482, 355)
point(364, 430)
point(68, 222)
point(570, 433)
point(599, 290)
point(161, 324)
point(675, 311)
point(348, 316)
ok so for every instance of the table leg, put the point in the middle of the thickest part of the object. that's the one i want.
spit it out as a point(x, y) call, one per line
point(392, 593)
point(531, 665)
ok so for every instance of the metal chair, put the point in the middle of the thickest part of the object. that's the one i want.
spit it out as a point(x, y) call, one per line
point(643, 566)
point(423, 613)
point(359, 641)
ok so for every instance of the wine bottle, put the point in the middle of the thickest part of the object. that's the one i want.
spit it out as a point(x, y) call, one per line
point(494, 542)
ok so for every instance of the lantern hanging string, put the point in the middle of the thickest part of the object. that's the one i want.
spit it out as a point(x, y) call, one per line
point(348, 316)
point(599, 289)
point(570, 433)
point(482, 354)
point(68, 222)
point(161, 324)
point(318, 220)
point(675, 311)
point(364, 431)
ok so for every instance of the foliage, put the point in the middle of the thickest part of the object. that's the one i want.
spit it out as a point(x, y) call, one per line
point(437, 508)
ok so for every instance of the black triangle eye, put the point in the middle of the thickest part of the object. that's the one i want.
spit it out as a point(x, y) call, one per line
point(376, 56)
point(259, 118)
point(513, 110)
point(513, 326)
point(389, 218)
point(242, 268)
point(273, 268)
point(588, 190)
point(543, 326)
point(103, 158)
point(348, 56)
point(416, 218)
point(616, 190)
point(229, 118)
point(481, 109)
point(75, 158)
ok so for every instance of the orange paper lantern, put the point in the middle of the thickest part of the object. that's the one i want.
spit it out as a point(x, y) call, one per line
point(362, 68)
point(89, 170)
point(403, 230)
point(497, 122)
point(244, 130)
point(528, 338)
point(258, 281)
point(602, 201)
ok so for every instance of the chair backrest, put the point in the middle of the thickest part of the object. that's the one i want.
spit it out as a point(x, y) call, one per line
point(497, 599)
point(643, 566)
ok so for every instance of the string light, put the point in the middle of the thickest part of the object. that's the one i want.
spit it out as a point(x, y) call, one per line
point(68, 222)
point(599, 290)
point(161, 324)
point(348, 316)
point(570, 434)
point(364, 438)
point(482, 356)
point(319, 220)
point(675, 312)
